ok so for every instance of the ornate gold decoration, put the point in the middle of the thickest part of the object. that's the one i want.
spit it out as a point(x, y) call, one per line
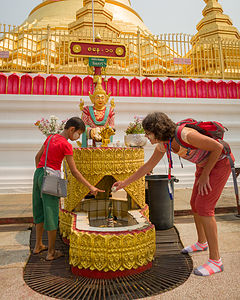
point(111, 252)
point(112, 103)
point(95, 163)
point(119, 51)
point(97, 78)
point(108, 251)
point(109, 62)
point(90, 70)
point(106, 133)
point(104, 71)
point(99, 114)
point(98, 90)
point(81, 105)
point(98, 36)
point(85, 61)
point(77, 48)
point(145, 212)
point(65, 223)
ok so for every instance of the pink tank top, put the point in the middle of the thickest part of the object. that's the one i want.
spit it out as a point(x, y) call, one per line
point(196, 156)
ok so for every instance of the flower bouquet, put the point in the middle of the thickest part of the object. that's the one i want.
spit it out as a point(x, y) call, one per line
point(135, 127)
point(135, 136)
point(51, 126)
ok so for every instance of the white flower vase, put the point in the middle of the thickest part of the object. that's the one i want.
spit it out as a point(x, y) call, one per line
point(135, 140)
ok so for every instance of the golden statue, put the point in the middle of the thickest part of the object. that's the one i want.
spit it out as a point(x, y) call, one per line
point(97, 116)
point(105, 134)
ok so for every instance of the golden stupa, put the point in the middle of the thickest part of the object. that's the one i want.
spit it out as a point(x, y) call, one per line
point(215, 51)
point(60, 13)
point(215, 24)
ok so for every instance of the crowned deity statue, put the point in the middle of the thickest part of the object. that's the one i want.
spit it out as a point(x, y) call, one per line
point(97, 116)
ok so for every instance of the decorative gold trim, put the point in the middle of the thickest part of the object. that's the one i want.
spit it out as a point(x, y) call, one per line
point(65, 223)
point(77, 48)
point(107, 251)
point(119, 51)
point(112, 252)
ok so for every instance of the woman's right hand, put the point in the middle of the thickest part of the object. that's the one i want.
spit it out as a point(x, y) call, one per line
point(95, 190)
point(118, 185)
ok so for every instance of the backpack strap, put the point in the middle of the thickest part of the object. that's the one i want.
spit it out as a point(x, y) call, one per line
point(178, 132)
point(235, 184)
point(45, 165)
point(170, 166)
point(234, 177)
point(226, 147)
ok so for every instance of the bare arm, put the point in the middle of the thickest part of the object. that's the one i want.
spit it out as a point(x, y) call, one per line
point(79, 176)
point(203, 142)
point(146, 168)
point(38, 155)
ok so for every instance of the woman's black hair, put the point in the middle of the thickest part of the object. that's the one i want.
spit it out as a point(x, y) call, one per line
point(160, 125)
point(75, 122)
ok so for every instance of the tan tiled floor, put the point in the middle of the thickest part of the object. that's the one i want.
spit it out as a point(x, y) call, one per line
point(20, 205)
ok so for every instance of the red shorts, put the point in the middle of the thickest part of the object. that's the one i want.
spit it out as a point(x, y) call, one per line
point(205, 205)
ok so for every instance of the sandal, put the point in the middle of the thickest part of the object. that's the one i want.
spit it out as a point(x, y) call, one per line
point(57, 254)
point(45, 248)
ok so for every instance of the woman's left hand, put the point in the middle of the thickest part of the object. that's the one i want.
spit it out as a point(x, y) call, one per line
point(204, 186)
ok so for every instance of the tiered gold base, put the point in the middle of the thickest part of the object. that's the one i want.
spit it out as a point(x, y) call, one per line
point(107, 252)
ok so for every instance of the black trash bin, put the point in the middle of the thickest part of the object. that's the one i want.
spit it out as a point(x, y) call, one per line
point(161, 207)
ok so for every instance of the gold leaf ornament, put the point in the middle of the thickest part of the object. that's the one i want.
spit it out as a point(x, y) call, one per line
point(77, 48)
point(112, 103)
point(81, 105)
point(119, 51)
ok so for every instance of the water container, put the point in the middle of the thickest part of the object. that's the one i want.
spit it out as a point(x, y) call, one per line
point(161, 206)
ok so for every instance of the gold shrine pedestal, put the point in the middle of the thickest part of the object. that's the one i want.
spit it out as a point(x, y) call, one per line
point(97, 250)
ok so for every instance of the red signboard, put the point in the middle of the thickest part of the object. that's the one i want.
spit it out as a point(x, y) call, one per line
point(85, 49)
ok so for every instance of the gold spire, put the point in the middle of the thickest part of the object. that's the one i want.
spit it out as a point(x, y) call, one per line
point(99, 90)
point(103, 18)
point(215, 24)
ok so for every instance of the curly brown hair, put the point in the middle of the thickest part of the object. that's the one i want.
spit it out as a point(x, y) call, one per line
point(160, 125)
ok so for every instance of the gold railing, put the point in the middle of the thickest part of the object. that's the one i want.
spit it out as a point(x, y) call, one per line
point(47, 51)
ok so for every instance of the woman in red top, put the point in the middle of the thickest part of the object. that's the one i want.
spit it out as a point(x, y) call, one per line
point(46, 207)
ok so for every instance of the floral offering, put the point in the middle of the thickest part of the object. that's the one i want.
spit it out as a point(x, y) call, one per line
point(51, 126)
point(135, 127)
